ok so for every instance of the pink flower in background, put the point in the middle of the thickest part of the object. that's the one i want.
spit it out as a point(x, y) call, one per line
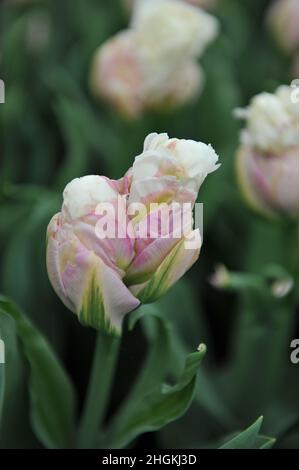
point(137, 71)
point(117, 75)
point(295, 71)
point(268, 158)
point(283, 19)
point(102, 278)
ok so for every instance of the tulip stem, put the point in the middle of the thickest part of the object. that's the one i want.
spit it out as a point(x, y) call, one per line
point(263, 337)
point(99, 387)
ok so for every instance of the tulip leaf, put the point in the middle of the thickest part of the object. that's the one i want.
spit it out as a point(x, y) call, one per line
point(264, 442)
point(160, 355)
point(246, 439)
point(158, 407)
point(51, 393)
point(15, 399)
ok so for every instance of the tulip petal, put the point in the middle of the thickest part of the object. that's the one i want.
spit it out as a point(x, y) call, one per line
point(174, 266)
point(102, 298)
point(244, 162)
point(54, 272)
point(106, 301)
point(149, 260)
point(163, 189)
point(158, 233)
point(115, 252)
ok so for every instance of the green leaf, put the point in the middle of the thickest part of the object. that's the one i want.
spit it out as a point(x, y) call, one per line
point(264, 442)
point(51, 393)
point(159, 336)
point(187, 329)
point(158, 407)
point(246, 439)
point(15, 426)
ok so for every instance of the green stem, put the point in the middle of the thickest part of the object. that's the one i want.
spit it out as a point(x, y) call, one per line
point(263, 335)
point(99, 387)
point(261, 354)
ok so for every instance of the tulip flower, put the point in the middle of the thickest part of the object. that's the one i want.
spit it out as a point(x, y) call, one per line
point(268, 158)
point(283, 20)
point(101, 277)
point(137, 71)
point(181, 31)
point(116, 75)
point(206, 4)
point(119, 76)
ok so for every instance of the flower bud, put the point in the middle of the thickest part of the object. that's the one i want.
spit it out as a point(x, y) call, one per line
point(268, 159)
point(283, 20)
point(102, 258)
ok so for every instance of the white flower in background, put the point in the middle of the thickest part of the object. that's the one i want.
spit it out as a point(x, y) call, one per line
point(117, 76)
point(268, 158)
point(138, 70)
point(206, 4)
point(181, 31)
point(272, 121)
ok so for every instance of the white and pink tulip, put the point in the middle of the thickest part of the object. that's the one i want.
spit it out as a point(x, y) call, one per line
point(101, 277)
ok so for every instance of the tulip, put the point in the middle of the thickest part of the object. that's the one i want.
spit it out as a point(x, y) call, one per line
point(206, 4)
point(136, 71)
point(268, 158)
point(103, 277)
point(283, 20)
point(181, 31)
point(117, 75)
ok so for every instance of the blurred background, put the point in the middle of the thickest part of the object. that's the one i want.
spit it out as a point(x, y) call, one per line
point(53, 130)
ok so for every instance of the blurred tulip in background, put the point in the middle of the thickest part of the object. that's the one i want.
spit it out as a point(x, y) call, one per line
point(136, 70)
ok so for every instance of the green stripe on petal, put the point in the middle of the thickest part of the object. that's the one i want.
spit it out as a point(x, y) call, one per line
point(92, 311)
point(174, 266)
